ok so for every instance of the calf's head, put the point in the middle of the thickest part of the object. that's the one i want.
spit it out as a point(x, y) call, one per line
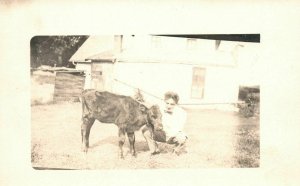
point(154, 117)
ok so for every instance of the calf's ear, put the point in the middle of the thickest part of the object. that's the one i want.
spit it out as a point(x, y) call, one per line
point(143, 108)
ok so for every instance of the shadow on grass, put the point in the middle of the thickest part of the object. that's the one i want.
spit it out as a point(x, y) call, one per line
point(141, 146)
point(109, 140)
point(113, 140)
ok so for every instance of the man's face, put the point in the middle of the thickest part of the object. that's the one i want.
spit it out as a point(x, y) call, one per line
point(170, 104)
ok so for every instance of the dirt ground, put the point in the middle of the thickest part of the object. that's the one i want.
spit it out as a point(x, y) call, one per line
point(217, 139)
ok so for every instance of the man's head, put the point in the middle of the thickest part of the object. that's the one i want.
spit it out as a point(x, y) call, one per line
point(171, 100)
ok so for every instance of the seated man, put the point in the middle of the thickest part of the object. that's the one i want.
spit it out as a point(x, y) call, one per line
point(173, 120)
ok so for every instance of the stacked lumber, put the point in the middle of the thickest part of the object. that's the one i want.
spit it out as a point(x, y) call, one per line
point(68, 86)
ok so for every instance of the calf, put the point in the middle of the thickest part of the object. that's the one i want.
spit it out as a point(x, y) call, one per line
point(128, 114)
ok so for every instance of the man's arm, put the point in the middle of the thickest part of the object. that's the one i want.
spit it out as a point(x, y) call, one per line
point(182, 117)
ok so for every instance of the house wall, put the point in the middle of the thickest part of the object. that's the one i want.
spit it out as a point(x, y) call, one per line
point(221, 85)
point(157, 67)
point(86, 67)
point(249, 66)
point(104, 81)
point(145, 48)
point(107, 73)
point(162, 43)
point(158, 78)
point(155, 79)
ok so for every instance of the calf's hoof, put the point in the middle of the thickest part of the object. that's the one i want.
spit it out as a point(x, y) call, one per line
point(84, 149)
point(121, 156)
point(134, 154)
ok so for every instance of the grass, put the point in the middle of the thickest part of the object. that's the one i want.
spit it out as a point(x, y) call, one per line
point(247, 146)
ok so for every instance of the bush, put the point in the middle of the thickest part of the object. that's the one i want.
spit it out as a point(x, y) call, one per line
point(251, 105)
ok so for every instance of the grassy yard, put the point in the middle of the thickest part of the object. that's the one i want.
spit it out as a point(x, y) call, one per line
point(217, 139)
point(247, 144)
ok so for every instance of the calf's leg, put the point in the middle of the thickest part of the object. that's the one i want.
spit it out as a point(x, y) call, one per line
point(131, 138)
point(121, 142)
point(85, 132)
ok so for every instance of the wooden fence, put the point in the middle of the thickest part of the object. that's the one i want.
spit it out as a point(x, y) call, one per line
point(68, 86)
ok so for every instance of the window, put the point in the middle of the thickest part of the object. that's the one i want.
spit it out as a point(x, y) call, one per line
point(99, 73)
point(97, 78)
point(96, 71)
point(96, 74)
point(198, 82)
point(191, 44)
point(156, 41)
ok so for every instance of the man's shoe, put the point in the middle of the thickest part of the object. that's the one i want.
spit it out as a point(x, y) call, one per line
point(155, 153)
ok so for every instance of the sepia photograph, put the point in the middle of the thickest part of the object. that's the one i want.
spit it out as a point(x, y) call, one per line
point(149, 93)
point(145, 101)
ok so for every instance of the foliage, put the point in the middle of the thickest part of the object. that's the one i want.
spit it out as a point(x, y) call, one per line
point(251, 98)
point(54, 50)
point(251, 106)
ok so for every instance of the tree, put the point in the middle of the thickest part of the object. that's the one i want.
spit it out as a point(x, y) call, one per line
point(54, 50)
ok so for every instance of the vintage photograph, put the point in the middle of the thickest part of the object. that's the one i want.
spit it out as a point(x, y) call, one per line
point(145, 101)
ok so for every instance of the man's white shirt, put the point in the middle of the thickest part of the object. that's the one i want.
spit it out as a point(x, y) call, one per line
point(173, 124)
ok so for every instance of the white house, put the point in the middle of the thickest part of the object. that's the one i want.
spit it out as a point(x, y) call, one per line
point(96, 58)
point(201, 71)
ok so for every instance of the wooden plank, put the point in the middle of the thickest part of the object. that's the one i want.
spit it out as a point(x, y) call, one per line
point(69, 80)
point(76, 89)
point(68, 75)
point(64, 85)
point(62, 99)
point(69, 83)
point(65, 96)
point(68, 91)
point(68, 87)
point(72, 79)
